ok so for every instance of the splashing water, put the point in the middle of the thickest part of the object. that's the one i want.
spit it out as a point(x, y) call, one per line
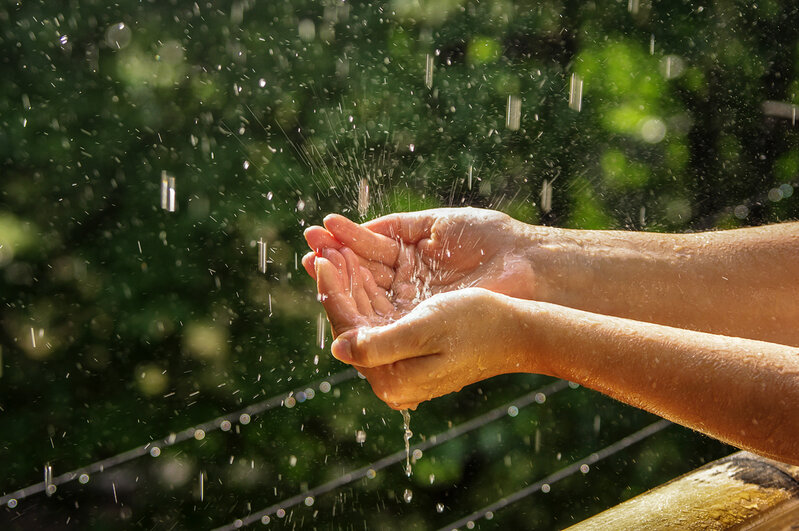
point(406, 424)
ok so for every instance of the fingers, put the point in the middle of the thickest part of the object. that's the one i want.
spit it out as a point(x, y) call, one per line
point(319, 238)
point(308, 264)
point(403, 385)
point(407, 338)
point(382, 274)
point(409, 227)
point(356, 286)
point(377, 296)
point(364, 242)
point(339, 305)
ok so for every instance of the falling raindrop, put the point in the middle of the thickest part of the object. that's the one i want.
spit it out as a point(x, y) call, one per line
point(407, 495)
point(49, 487)
point(576, 93)
point(513, 113)
point(428, 71)
point(363, 196)
point(167, 192)
point(262, 255)
point(320, 331)
point(440, 507)
point(360, 436)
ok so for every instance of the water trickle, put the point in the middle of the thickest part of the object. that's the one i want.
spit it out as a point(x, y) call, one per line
point(406, 424)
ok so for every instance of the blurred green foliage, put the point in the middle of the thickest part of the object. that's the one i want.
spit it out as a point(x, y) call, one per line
point(122, 322)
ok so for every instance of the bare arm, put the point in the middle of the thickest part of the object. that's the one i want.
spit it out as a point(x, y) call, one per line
point(740, 391)
point(742, 282)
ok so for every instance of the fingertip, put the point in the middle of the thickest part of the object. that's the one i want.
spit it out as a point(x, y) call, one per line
point(342, 349)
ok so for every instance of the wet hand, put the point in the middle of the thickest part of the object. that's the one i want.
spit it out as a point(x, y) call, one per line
point(419, 254)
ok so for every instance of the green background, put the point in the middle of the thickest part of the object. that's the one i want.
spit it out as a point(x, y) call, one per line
point(269, 115)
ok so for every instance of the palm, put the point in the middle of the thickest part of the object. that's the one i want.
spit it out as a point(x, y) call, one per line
point(415, 255)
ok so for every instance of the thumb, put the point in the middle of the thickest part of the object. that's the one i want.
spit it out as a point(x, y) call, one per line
point(412, 336)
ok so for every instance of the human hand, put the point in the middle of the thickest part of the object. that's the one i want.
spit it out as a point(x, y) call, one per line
point(418, 254)
point(411, 352)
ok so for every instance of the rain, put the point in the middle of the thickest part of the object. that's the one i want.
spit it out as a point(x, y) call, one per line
point(164, 357)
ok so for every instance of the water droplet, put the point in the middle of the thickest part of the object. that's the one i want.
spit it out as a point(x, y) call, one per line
point(293, 460)
point(360, 436)
point(265, 519)
point(432, 478)
point(407, 495)
point(246, 165)
point(290, 402)
point(199, 434)
point(440, 507)
point(540, 398)
point(262, 82)
point(324, 387)
point(309, 501)
point(513, 411)
point(83, 479)
point(545, 488)
point(489, 515)
point(244, 418)
point(584, 468)
point(155, 451)
point(417, 454)
point(12, 503)
point(225, 425)
point(281, 513)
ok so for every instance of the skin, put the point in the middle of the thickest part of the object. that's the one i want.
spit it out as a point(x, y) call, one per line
point(417, 340)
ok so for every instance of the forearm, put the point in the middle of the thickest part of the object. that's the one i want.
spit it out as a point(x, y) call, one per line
point(741, 282)
point(741, 391)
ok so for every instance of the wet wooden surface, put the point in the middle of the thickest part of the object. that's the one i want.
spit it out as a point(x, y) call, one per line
point(742, 491)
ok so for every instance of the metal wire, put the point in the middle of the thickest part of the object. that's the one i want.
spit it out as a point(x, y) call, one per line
point(174, 438)
point(435, 440)
point(564, 472)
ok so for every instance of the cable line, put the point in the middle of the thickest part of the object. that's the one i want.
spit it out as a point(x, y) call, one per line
point(537, 396)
